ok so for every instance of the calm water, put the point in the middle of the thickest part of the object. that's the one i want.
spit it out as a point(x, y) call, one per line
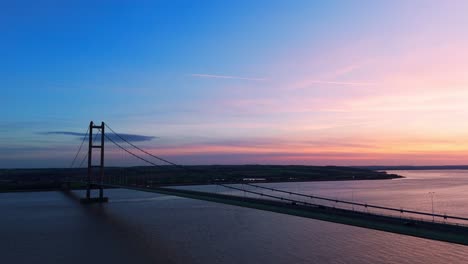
point(138, 227)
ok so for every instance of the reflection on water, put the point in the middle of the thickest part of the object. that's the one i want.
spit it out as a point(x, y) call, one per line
point(51, 227)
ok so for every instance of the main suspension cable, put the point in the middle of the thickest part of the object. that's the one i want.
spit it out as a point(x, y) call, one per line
point(140, 149)
point(129, 152)
point(79, 149)
point(262, 187)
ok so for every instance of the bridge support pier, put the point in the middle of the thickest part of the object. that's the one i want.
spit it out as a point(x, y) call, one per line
point(98, 183)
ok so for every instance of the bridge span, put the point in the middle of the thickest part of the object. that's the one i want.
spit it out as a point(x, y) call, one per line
point(394, 220)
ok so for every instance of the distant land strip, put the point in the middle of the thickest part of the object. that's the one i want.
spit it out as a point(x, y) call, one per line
point(50, 179)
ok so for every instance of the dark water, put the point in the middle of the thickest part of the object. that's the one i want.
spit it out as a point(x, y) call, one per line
point(137, 227)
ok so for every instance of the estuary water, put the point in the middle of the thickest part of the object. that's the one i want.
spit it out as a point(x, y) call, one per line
point(138, 227)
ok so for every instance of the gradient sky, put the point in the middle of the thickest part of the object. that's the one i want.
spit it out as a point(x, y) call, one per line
point(228, 82)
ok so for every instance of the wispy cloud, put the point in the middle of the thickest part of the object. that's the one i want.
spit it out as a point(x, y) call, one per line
point(212, 76)
point(129, 137)
point(341, 83)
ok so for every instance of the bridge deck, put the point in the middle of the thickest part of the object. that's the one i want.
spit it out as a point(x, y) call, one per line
point(431, 230)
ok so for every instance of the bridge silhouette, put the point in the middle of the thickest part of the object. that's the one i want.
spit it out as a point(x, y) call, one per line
point(430, 225)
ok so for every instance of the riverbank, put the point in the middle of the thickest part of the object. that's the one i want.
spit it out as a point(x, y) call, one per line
point(51, 179)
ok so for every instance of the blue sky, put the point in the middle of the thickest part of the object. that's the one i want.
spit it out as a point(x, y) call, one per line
point(284, 82)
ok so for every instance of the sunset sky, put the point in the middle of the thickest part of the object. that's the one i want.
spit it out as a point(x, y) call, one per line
point(237, 82)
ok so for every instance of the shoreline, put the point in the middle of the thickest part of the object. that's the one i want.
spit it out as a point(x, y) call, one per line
point(54, 189)
point(51, 179)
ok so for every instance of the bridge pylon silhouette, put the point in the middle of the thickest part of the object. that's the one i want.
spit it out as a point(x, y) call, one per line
point(91, 179)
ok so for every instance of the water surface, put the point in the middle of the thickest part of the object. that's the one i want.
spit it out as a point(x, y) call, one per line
point(138, 227)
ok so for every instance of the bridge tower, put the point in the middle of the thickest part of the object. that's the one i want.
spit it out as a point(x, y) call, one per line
point(91, 182)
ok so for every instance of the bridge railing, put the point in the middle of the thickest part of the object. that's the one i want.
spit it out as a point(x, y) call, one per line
point(409, 215)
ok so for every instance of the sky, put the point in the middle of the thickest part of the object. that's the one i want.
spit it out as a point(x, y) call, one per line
point(237, 82)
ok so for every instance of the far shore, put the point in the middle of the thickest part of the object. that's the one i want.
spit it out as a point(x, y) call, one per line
point(52, 179)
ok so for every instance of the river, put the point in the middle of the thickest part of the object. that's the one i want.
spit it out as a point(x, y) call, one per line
point(138, 227)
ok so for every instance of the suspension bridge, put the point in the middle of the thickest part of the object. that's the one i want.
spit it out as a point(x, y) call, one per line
point(430, 225)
